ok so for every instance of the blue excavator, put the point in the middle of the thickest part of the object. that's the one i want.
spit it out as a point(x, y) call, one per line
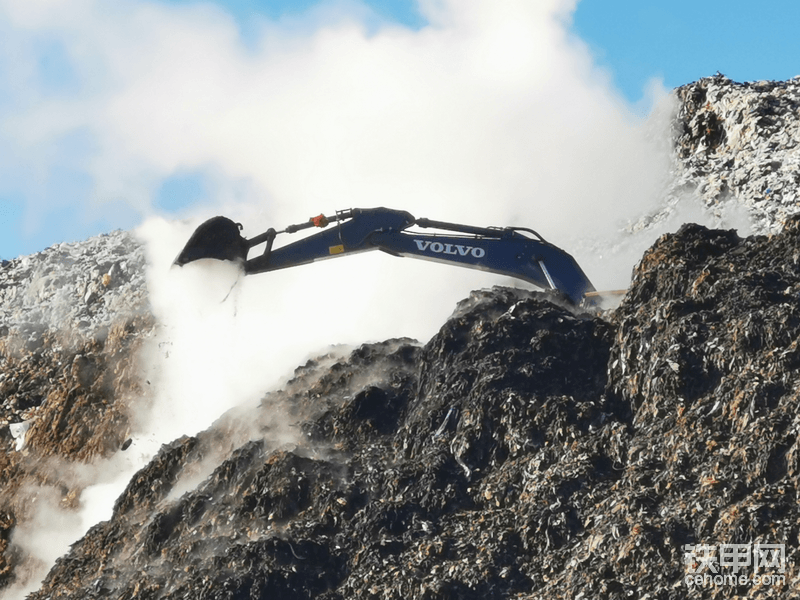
point(513, 251)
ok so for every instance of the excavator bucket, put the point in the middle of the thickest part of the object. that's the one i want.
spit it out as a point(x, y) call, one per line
point(217, 238)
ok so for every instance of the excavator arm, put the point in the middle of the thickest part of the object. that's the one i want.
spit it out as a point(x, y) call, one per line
point(512, 251)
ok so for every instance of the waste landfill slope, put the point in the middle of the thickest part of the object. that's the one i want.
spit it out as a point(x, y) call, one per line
point(72, 319)
point(524, 452)
point(738, 147)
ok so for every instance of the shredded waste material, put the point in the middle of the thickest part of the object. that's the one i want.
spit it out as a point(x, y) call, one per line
point(736, 149)
point(527, 450)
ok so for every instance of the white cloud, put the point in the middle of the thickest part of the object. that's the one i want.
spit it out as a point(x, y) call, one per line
point(490, 113)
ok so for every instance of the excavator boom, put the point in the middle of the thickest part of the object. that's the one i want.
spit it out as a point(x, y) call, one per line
point(513, 251)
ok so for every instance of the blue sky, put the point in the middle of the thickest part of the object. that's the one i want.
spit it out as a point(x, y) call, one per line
point(682, 41)
point(76, 103)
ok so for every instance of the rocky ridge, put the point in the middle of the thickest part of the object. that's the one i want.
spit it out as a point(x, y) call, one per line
point(525, 451)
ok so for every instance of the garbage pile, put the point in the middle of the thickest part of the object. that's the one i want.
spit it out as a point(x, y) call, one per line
point(737, 146)
point(525, 451)
point(68, 316)
point(71, 321)
point(77, 290)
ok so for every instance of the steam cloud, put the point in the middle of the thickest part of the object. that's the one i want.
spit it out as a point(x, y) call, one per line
point(493, 114)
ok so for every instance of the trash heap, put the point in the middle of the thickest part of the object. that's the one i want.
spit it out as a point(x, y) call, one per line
point(71, 321)
point(738, 145)
point(68, 316)
point(525, 451)
point(76, 290)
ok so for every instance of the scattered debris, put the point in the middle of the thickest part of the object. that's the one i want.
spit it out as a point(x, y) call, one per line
point(18, 432)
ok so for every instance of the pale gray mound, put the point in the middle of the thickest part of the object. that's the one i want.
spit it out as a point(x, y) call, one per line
point(77, 289)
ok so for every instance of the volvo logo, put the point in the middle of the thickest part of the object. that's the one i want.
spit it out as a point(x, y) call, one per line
point(454, 249)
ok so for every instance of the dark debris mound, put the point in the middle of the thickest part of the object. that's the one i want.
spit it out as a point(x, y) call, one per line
point(526, 451)
point(706, 353)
